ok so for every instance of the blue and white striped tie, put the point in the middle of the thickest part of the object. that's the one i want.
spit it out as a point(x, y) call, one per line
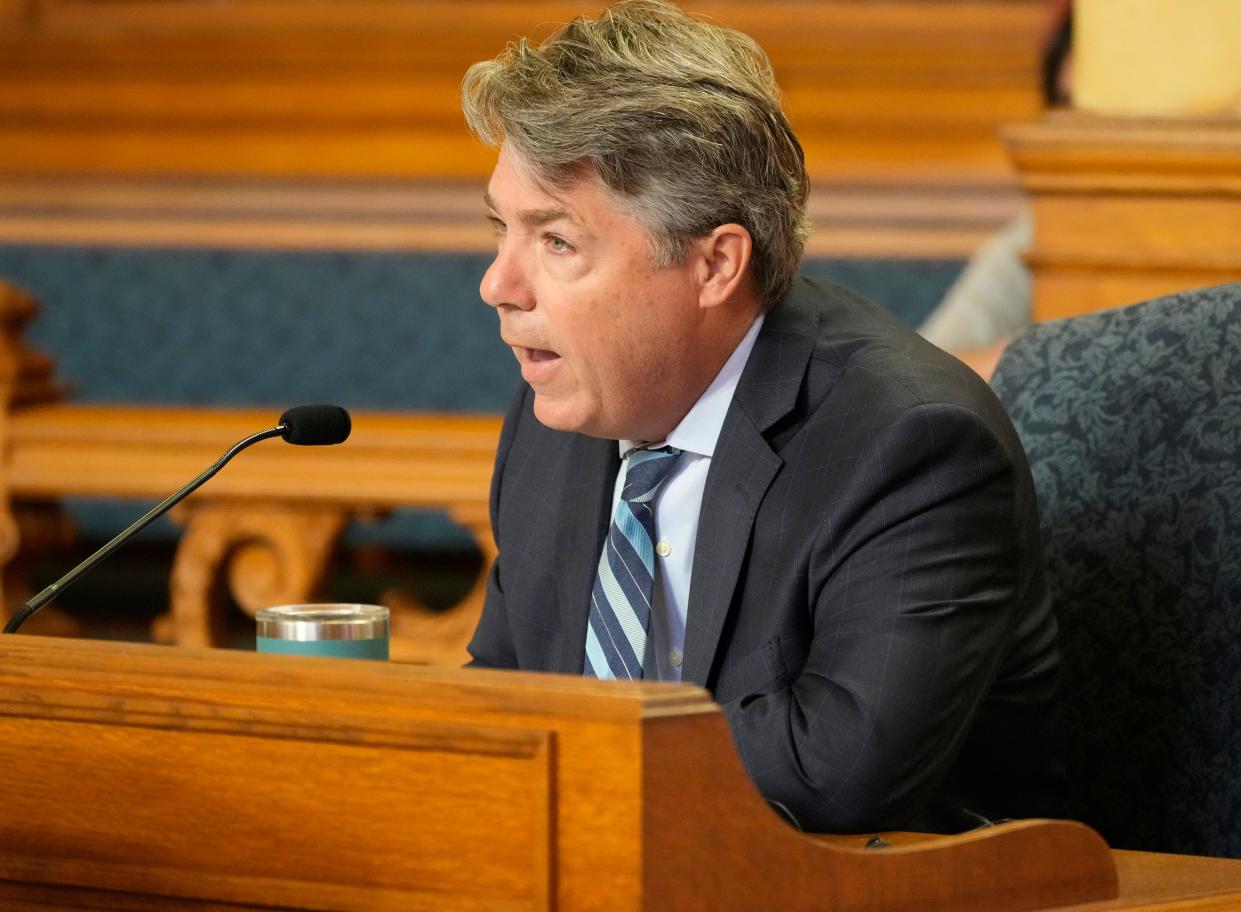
point(620, 605)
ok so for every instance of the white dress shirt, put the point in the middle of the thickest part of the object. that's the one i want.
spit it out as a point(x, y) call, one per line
point(677, 506)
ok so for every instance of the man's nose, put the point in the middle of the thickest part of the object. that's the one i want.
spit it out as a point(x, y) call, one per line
point(504, 283)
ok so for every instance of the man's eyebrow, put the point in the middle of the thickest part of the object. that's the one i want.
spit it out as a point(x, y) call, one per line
point(537, 217)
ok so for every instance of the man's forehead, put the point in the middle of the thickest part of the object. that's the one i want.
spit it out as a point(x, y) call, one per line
point(536, 215)
point(515, 191)
point(503, 199)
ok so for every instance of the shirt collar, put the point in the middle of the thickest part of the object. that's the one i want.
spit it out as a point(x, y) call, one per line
point(700, 429)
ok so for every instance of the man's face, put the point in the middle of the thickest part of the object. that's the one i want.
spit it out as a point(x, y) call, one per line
point(604, 339)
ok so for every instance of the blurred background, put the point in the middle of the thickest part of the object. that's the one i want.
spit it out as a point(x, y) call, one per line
point(224, 204)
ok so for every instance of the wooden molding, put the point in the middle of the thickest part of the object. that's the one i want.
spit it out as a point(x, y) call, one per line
point(898, 96)
point(1070, 151)
point(308, 125)
point(271, 553)
point(392, 458)
point(1126, 210)
point(896, 220)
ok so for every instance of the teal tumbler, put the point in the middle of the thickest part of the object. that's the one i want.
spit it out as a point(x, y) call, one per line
point(338, 631)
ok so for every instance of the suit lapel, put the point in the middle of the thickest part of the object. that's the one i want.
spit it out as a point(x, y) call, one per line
point(589, 469)
point(742, 469)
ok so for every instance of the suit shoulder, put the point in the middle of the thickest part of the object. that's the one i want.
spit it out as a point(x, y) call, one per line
point(861, 349)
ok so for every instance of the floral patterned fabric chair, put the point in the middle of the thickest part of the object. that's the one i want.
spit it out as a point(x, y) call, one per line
point(1132, 422)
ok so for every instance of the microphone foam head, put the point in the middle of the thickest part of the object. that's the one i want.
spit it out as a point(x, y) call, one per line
point(315, 425)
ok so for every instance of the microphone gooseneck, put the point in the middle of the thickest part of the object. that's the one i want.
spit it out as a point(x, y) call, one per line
point(306, 425)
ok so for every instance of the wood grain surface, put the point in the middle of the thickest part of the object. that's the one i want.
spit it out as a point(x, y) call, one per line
point(304, 124)
point(221, 777)
point(1129, 209)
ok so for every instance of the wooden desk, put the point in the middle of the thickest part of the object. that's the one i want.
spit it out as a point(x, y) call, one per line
point(140, 777)
point(144, 778)
point(1146, 880)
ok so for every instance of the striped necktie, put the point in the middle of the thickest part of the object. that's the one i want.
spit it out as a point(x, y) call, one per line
point(620, 604)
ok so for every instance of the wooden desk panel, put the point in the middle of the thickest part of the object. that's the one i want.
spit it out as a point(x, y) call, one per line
point(1146, 880)
point(187, 787)
point(642, 786)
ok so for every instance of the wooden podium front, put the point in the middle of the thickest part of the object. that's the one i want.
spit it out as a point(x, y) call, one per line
point(144, 777)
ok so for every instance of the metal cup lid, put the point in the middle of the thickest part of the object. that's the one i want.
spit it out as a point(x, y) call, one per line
point(306, 623)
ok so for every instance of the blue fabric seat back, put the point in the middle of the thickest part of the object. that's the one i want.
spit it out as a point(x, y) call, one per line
point(366, 329)
point(1132, 422)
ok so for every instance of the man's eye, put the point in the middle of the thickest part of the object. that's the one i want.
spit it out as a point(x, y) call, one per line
point(557, 243)
point(497, 227)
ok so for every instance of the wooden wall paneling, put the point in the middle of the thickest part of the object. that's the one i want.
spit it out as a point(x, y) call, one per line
point(245, 213)
point(902, 98)
point(371, 88)
point(908, 219)
point(14, 11)
point(1129, 209)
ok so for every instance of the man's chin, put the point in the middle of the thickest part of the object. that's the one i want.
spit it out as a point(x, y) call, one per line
point(561, 415)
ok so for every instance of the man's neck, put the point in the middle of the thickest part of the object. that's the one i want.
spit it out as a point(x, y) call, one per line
point(699, 428)
point(722, 340)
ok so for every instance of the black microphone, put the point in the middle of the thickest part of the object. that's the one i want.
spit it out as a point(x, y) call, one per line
point(304, 425)
point(315, 425)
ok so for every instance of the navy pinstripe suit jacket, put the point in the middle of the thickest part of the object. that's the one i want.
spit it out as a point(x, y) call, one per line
point(867, 600)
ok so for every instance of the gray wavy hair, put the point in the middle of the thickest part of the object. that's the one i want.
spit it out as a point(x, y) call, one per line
point(680, 119)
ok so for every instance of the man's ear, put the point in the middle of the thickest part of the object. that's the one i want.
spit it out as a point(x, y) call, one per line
point(723, 264)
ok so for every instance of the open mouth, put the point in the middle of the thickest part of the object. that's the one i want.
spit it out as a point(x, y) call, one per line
point(537, 364)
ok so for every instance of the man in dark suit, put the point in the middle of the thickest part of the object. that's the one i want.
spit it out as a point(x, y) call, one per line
point(720, 473)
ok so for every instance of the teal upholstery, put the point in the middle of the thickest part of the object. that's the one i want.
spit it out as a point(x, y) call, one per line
point(1132, 422)
point(367, 330)
point(271, 328)
point(261, 327)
